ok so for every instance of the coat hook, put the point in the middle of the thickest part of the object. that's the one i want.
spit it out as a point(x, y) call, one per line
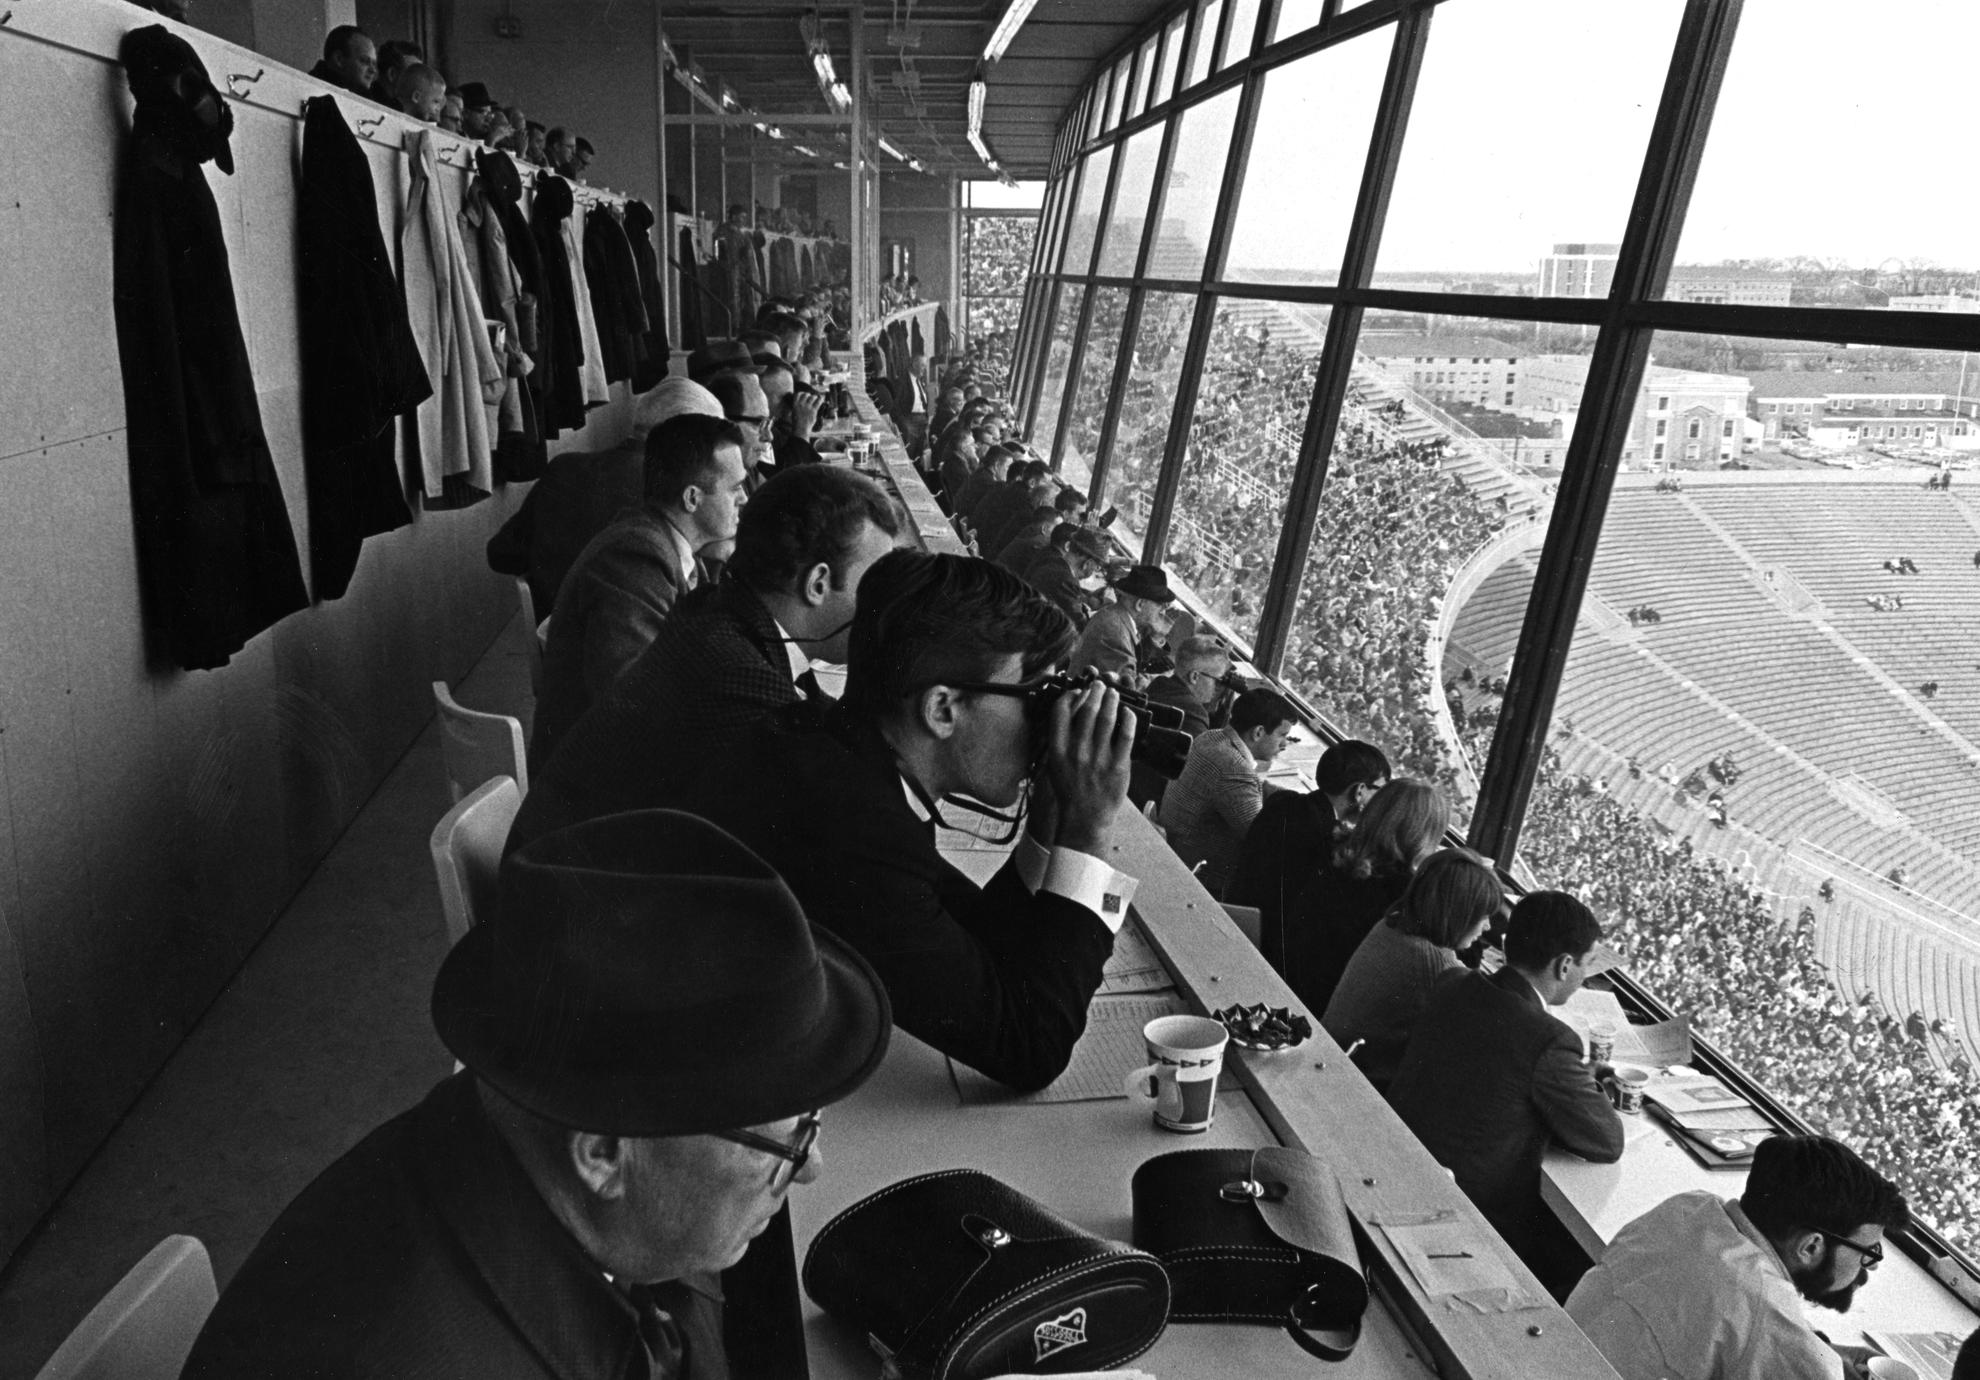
point(238, 83)
point(368, 124)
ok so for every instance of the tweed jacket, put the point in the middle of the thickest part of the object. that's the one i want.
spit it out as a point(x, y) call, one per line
point(715, 668)
point(1111, 642)
point(608, 611)
point(1208, 808)
point(579, 495)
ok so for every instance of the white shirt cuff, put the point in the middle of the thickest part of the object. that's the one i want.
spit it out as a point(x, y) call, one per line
point(1079, 877)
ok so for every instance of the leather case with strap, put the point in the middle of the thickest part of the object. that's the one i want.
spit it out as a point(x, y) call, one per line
point(1255, 1236)
point(956, 1275)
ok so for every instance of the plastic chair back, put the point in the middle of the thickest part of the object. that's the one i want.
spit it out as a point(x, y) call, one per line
point(467, 853)
point(536, 631)
point(475, 746)
point(1247, 919)
point(144, 1328)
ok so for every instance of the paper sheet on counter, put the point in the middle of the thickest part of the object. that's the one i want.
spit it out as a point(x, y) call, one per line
point(1106, 1054)
point(1655, 1046)
point(1453, 1262)
point(1133, 966)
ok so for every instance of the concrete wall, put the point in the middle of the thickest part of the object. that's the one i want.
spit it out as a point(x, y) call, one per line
point(153, 825)
point(586, 66)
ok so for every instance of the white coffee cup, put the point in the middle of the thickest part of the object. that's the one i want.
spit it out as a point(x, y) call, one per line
point(1185, 1055)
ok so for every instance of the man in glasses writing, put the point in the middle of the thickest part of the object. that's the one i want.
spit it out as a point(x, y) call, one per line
point(1708, 1289)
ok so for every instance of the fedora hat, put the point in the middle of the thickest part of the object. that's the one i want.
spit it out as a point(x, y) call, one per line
point(474, 96)
point(648, 975)
point(1146, 582)
point(718, 355)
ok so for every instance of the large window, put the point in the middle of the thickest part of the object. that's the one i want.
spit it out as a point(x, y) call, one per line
point(1134, 465)
point(1306, 163)
point(1251, 407)
point(1762, 763)
point(1440, 473)
point(1089, 394)
point(1753, 746)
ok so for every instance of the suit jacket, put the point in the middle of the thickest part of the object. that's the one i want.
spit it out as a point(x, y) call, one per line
point(1019, 552)
point(1212, 803)
point(1290, 841)
point(1487, 1080)
point(1333, 914)
point(607, 612)
point(956, 472)
point(1001, 516)
point(996, 977)
point(715, 668)
point(425, 1251)
point(1050, 573)
point(977, 485)
point(1111, 642)
point(578, 497)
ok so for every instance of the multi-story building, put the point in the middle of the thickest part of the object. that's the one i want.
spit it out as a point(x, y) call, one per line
point(1473, 369)
point(1839, 410)
point(1940, 301)
point(1578, 269)
point(1748, 287)
point(1683, 418)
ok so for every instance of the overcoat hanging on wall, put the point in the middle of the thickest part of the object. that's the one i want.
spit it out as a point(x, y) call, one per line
point(557, 322)
point(360, 366)
point(216, 557)
point(615, 300)
point(694, 329)
point(455, 427)
point(519, 451)
point(639, 236)
point(591, 369)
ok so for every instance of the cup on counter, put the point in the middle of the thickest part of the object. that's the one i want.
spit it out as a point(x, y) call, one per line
point(1601, 1042)
point(1185, 1055)
point(1890, 1368)
point(1626, 1090)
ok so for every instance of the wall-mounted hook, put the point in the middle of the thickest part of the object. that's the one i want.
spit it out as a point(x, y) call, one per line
point(368, 124)
point(7, 18)
point(239, 83)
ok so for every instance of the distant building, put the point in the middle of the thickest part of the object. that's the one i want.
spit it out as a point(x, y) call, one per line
point(1937, 408)
point(1473, 369)
point(1683, 418)
point(1944, 301)
point(1747, 287)
point(1577, 269)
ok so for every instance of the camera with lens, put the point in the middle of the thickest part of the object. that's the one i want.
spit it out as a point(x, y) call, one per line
point(1159, 739)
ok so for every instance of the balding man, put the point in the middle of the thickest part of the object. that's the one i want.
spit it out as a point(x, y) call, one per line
point(350, 60)
point(582, 491)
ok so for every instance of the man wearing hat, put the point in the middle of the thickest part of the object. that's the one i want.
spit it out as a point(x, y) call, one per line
point(1071, 571)
point(478, 110)
point(577, 1202)
point(1124, 639)
point(581, 492)
point(716, 356)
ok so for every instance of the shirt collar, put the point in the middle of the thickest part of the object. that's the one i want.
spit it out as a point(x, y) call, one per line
point(1768, 1253)
point(684, 550)
point(793, 653)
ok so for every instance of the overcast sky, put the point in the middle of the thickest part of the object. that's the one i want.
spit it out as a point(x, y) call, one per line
point(1838, 135)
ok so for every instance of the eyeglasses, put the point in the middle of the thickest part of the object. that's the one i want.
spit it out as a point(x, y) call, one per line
point(1873, 1256)
point(795, 1155)
point(761, 425)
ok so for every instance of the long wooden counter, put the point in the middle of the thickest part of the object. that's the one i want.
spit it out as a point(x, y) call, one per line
point(1078, 1157)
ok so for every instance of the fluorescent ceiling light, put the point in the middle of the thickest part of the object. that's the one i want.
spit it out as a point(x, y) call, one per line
point(803, 150)
point(892, 152)
point(840, 97)
point(821, 63)
point(979, 92)
point(1007, 28)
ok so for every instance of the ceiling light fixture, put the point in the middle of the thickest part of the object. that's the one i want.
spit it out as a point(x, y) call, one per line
point(1007, 28)
point(979, 92)
point(892, 152)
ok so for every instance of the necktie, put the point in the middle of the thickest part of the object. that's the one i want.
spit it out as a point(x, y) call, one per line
point(808, 682)
point(666, 1348)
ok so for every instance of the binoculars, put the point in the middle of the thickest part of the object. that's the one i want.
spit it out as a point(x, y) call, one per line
point(1158, 728)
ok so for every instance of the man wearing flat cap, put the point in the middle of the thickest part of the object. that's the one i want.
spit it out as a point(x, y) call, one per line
point(577, 1201)
point(1124, 639)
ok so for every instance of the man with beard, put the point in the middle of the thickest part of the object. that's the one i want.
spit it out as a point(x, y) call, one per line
point(1705, 1289)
